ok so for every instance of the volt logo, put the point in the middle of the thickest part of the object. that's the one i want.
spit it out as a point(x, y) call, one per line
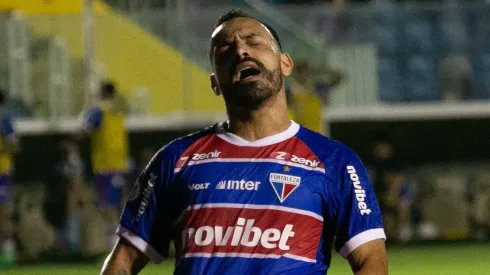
point(199, 186)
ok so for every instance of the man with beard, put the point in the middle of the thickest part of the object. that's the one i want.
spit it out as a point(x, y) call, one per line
point(257, 194)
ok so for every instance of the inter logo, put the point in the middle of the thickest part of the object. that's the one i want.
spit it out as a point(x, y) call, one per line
point(284, 185)
point(238, 185)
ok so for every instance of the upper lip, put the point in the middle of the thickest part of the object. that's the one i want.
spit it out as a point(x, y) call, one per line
point(245, 65)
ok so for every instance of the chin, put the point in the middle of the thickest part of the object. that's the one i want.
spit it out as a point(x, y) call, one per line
point(254, 101)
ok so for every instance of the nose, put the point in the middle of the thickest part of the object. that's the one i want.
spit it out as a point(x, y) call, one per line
point(242, 50)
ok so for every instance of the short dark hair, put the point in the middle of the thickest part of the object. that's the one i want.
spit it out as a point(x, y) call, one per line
point(107, 90)
point(233, 14)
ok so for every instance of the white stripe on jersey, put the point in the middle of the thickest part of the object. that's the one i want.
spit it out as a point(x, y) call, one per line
point(299, 258)
point(257, 206)
point(231, 254)
point(360, 239)
point(140, 244)
point(248, 255)
point(266, 160)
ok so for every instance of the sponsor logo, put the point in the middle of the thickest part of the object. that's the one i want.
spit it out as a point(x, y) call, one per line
point(284, 185)
point(281, 155)
point(358, 190)
point(296, 159)
point(146, 196)
point(244, 233)
point(181, 162)
point(250, 231)
point(199, 186)
point(221, 185)
point(203, 156)
point(195, 157)
point(238, 185)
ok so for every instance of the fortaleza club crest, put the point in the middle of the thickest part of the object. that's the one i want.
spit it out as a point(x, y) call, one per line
point(284, 185)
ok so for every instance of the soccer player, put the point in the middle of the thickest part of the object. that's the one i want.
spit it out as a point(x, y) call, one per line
point(257, 194)
point(8, 146)
point(109, 152)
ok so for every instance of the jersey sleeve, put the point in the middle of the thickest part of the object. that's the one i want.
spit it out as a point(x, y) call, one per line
point(92, 119)
point(359, 220)
point(146, 218)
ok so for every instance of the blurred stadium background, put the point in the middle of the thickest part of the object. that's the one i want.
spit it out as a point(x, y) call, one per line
point(414, 103)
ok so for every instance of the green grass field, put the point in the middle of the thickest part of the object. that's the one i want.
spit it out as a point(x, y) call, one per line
point(415, 260)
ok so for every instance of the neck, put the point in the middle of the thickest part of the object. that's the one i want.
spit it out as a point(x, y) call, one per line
point(269, 119)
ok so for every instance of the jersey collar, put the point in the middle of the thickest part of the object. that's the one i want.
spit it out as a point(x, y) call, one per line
point(238, 141)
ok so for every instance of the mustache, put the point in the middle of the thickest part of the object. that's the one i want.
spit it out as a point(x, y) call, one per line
point(258, 63)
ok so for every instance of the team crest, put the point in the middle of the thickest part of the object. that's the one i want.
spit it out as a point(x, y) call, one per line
point(284, 185)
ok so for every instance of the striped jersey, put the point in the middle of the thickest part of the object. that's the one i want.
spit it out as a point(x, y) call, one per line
point(272, 206)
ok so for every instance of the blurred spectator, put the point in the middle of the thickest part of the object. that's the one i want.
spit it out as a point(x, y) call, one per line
point(455, 78)
point(9, 145)
point(308, 92)
point(392, 190)
point(64, 196)
point(105, 124)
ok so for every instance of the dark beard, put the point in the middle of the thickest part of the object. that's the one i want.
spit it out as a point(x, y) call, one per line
point(252, 95)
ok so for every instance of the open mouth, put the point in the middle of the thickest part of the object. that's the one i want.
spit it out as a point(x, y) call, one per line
point(248, 73)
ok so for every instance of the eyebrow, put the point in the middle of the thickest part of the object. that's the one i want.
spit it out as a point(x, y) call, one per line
point(243, 36)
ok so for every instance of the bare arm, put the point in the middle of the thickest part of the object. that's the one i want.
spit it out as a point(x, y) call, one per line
point(125, 259)
point(369, 259)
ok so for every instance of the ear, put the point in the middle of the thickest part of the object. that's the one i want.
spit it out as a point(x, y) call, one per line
point(286, 64)
point(214, 84)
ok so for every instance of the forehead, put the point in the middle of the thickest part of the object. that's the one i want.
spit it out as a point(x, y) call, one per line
point(240, 26)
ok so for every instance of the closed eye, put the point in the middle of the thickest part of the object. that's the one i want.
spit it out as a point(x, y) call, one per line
point(254, 40)
point(223, 49)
